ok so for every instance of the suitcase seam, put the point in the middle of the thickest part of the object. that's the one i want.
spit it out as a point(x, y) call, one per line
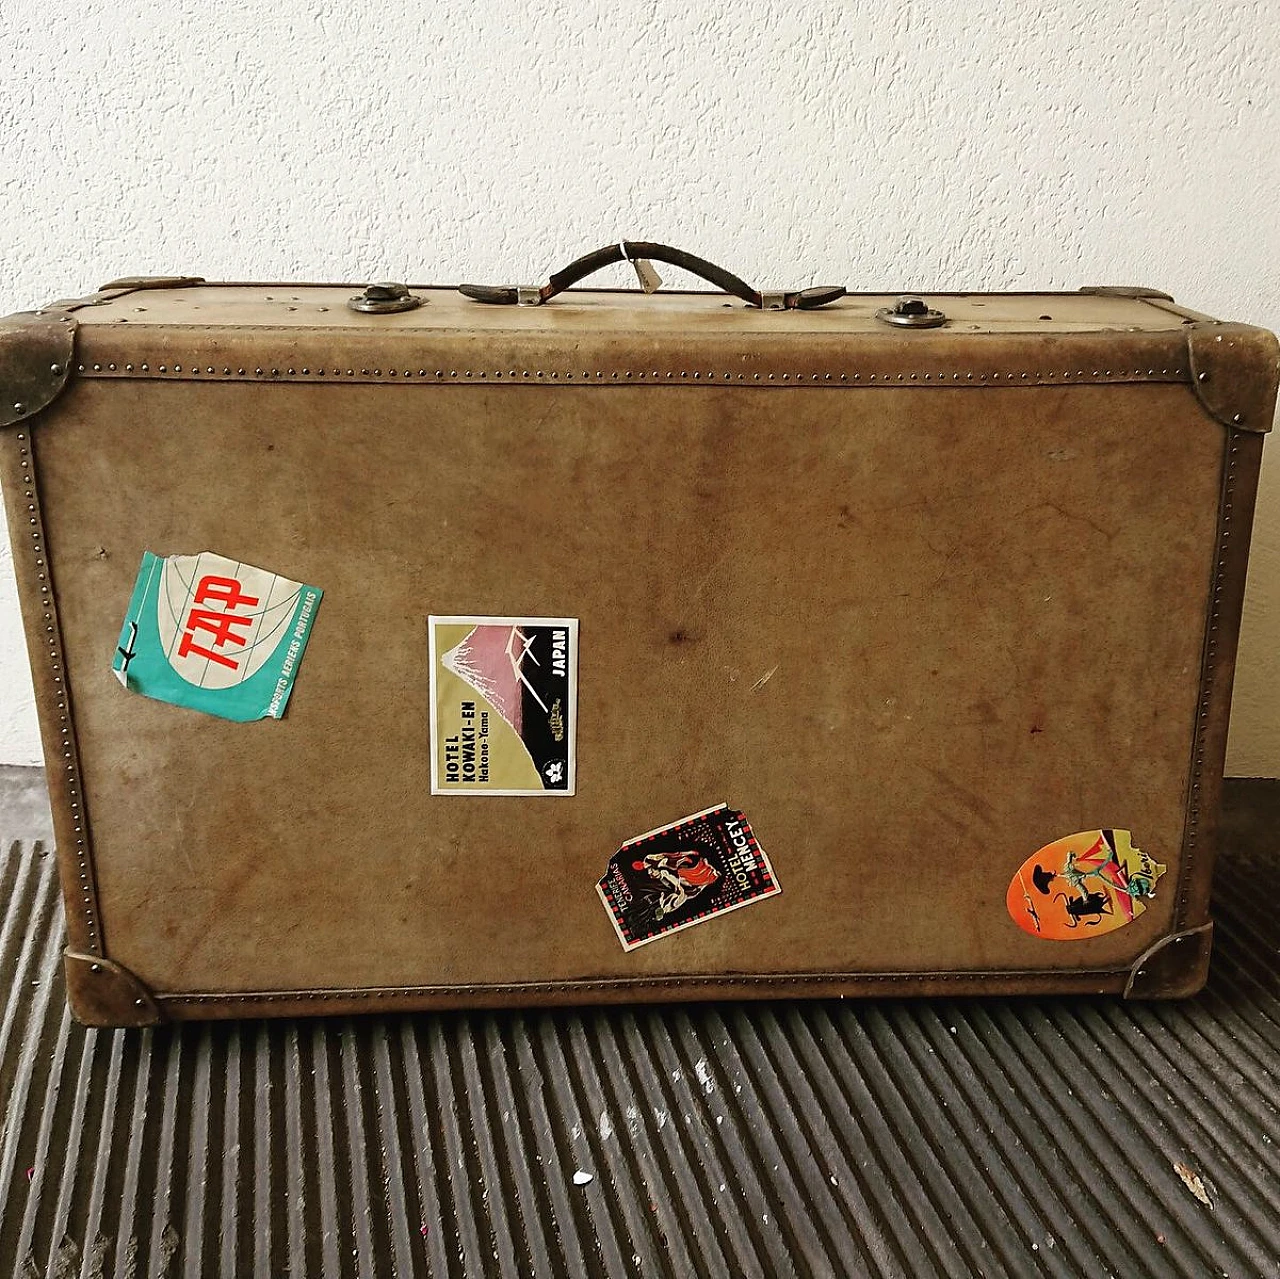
point(1190, 846)
point(661, 983)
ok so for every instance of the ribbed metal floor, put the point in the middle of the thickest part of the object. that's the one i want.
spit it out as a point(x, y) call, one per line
point(994, 1137)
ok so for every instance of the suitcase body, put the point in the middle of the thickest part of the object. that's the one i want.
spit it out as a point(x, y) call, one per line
point(920, 606)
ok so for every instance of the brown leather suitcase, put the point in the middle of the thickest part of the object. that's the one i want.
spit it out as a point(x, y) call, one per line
point(902, 632)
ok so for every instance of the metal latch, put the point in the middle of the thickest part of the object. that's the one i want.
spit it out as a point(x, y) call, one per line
point(384, 299)
point(911, 313)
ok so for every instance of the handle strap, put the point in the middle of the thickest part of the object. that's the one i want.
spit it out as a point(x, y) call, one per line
point(644, 250)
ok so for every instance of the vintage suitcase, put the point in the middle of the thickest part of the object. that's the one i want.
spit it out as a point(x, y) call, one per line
point(398, 650)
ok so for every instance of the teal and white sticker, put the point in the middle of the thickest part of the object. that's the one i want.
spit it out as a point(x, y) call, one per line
point(216, 635)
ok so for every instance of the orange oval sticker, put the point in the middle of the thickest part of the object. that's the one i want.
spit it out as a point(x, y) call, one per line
point(1083, 886)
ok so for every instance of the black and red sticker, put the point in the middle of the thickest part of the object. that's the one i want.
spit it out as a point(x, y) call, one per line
point(685, 874)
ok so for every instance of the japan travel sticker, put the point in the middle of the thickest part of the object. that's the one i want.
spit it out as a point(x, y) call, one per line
point(504, 705)
point(215, 635)
point(1083, 886)
point(685, 874)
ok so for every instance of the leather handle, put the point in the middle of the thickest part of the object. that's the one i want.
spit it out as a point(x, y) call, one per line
point(645, 250)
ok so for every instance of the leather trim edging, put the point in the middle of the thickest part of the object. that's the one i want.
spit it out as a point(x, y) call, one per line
point(1124, 291)
point(1073, 977)
point(130, 283)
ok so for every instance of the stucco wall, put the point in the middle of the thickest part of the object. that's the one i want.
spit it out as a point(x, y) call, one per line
point(884, 145)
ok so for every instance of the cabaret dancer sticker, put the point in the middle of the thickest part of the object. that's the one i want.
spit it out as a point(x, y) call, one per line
point(1083, 886)
point(685, 874)
point(504, 704)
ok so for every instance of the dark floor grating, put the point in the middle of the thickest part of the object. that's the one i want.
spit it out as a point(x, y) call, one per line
point(988, 1137)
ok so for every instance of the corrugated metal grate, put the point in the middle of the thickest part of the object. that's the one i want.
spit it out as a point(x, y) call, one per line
point(992, 1137)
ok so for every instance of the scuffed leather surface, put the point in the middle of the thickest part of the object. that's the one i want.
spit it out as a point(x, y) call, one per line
point(984, 608)
point(981, 568)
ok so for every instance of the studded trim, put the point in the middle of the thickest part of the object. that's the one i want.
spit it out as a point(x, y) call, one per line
point(64, 768)
point(1223, 564)
point(193, 369)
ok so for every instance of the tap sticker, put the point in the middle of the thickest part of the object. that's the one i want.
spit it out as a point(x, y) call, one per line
point(504, 705)
point(1083, 886)
point(685, 874)
point(215, 635)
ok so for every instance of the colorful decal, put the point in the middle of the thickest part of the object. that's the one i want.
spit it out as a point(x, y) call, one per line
point(1083, 886)
point(684, 874)
point(504, 705)
point(215, 635)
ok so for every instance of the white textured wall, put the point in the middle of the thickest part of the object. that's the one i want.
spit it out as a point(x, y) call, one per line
point(1041, 143)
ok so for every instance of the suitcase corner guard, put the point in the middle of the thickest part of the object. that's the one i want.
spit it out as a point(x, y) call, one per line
point(105, 994)
point(1237, 392)
point(1174, 968)
point(35, 362)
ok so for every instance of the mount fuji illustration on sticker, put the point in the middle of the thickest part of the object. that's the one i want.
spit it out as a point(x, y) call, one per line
point(504, 702)
point(215, 635)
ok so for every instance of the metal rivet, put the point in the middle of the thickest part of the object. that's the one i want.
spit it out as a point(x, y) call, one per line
point(57, 370)
point(19, 409)
point(95, 968)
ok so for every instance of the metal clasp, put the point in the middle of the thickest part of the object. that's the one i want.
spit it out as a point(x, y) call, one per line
point(384, 299)
point(911, 313)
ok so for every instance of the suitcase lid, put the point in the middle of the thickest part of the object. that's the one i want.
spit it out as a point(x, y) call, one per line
point(190, 301)
point(184, 328)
